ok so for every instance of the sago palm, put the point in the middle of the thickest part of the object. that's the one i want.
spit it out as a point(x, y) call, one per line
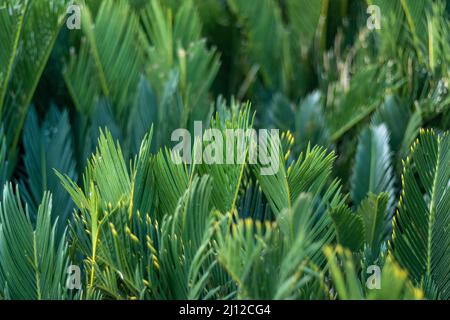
point(358, 206)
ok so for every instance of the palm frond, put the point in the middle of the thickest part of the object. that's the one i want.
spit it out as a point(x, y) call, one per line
point(42, 23)
point(269, 260)
point(48, 147)
point(143, 116)
point(366, 230)
point(359, 100)
point(349, 228)
point(263, 20)
point(391, 33)
point(94, 227)
point(308, 173)
point(175, 43)
point(244, 249)
point(416, 21)
point(172, 180)
point(11, 21)
point(304, 18)
point(252, 204)
point(421, 238)
point(389, 113)
point(394, 282)
point(113, 39)
point(373, 170)
point(144, 179)
point(4, 173)
point(80, 76)
point(35, 267)
point(310, 124)
point(110, 172)
point(227, 176)
point(377, 223)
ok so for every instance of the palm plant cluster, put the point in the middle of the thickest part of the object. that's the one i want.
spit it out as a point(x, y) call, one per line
point(363, 181)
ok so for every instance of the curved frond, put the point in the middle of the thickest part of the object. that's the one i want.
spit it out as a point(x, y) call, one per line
point(392, 279)
point(4, 174)
point(377, 222)
point(227, 176)
point(42, 23)
point(373, 172)
point(349, 228)
point(11, 23)
point(172, 41)
point(107, 67)
point(263, 20)
point(48, 147)
point(182, 254)
point(35, 267)
point(310, 124)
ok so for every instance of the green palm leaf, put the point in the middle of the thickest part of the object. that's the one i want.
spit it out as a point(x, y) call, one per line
point(113, 39)
point(391, 33)
point(144, 115)
point(227, 177)
point(366, 229)
point(42, 24)
point(11, 22)
point(373, 172)
point(35, 267)
point(110, 172)
point(359, 100)
point(271, 260)
point(47, 148)
point(144, 181)
point(348, 285)
point(263, 20)
point(107, 189)
point(421, 238)
point(349, 228)
point(376, 220)
point(172, 181)
point(304, 18)
point(80, 76)
point(4, 174)
point(112, 226)
point(252, 204)
point(414, 13)
point(183, 250)
point(310, 124)
point(175, 44)
point(309, 173)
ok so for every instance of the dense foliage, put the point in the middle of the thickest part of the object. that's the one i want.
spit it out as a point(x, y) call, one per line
point(364, 172)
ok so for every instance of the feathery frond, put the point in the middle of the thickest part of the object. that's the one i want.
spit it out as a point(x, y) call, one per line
point(48, 147)
point(373, 171)
point(421, 238)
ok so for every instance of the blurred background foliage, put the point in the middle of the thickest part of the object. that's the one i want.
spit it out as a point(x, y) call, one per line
point(309, 67)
